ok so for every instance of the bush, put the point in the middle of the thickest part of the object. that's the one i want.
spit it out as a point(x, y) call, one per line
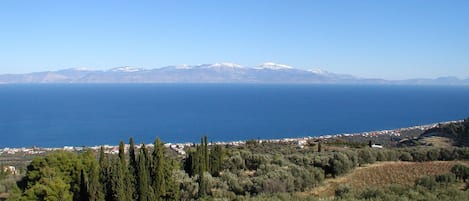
point(405, 156)
point(254, 161)
point(372, 193)
point(342, 190)
point(427, 182)
point(446, 154)
point(419, 155)
point(461, 171)
point(433, 154)
point(445, 178)
point(340, 164)
point(366, 156)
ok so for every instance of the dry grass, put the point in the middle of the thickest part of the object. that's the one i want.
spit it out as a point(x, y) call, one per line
point(436, 141)
point(385, 173)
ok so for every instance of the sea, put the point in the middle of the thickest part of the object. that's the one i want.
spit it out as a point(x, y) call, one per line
point(57, 115)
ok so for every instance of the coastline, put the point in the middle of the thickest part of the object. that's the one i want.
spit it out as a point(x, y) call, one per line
point(179, 147)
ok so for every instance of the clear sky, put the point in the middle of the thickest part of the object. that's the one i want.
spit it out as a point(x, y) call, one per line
point(383, 39)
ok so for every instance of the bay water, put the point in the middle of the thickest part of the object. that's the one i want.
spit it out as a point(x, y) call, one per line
point(57, 115)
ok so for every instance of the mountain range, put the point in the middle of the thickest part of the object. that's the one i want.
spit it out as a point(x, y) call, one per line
point(211, 73)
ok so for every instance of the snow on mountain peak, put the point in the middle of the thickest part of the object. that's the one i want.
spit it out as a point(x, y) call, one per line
point(226, 65)
point(183, 66)
point(273, 66)
point(318, 71)
point(126, 69)
point(82, 69)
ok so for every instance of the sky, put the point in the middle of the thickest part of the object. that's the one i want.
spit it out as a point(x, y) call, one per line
point(371, 39)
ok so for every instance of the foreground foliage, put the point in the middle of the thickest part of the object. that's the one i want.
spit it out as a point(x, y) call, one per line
point(254, 171)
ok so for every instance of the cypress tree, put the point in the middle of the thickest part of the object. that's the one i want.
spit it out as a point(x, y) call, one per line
point(117, 183)
point(83, 187)
point(120, 177)
point(90, 177)
point(197, 160)
point(202, 184)
point(158, 169)
point(122, 153)
point(216, 158)
point(133, 168)
point(124, 174)
point(188, 163)
point(95, 188)
point(172, 186)
point(144, 189)
point(105, 174)
point(205, 154)
point(202, 165)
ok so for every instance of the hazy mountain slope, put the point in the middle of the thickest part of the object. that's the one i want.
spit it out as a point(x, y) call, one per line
point(210, 73)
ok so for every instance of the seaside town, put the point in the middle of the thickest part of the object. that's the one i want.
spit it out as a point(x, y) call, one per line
point(180, 147)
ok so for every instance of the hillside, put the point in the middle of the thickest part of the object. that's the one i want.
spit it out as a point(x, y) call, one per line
point(212, 73)
point(384, 174)
point(457, 133)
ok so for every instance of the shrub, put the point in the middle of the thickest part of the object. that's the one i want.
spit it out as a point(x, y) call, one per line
point(405, 156)
point(340, 164)
point(342, 190)
point(427, 182)
point(433, 154)
point(461, 171)
point(365, 156)
point(371, 193)
point(445, 178)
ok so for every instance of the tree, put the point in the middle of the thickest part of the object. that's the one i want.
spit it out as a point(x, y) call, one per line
point(122, 153)
point(205, 154)
point(172, 186)
point(118, 186)
point(197, 161)
point(144, 190)
point(158, 169)
point(133, 168)
point(124, 182)
point(53, 189)
point(202, 184)
point(216, 160)
point(83, 187)
point(365, 156)
point(340, 164)
point(95, 188)
point(105, 174)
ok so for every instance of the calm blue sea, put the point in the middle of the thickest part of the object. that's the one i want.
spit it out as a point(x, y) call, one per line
point(94, 114)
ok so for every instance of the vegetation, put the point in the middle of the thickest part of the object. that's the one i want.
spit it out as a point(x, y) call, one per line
point(459, 132)
point(382, 175)
point(253, 171)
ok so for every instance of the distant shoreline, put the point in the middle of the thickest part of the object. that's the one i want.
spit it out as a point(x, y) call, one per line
point(113, 149)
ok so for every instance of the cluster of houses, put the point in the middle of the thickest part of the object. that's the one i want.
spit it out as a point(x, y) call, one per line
point(180, 147)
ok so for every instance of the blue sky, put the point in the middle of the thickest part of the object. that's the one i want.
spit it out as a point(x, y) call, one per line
point(383, 39)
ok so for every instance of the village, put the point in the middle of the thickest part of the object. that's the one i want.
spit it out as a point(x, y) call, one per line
point(181, 147)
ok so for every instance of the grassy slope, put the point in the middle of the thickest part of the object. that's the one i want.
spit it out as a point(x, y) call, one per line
point(384, 173)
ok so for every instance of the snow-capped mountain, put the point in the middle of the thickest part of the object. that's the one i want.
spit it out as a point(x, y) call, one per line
point(268, 72)
point(225, 65)
point(318, 71)
point(126, 69)
point(273, 66)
